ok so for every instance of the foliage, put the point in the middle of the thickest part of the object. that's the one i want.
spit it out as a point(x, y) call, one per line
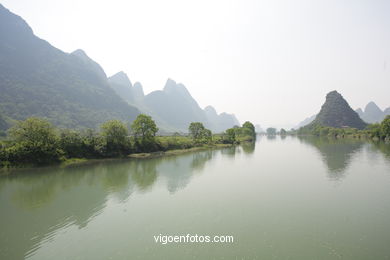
point(374, 131)
point(231, 135)
point(199, 133)
point(271, 131)
point(35, 141)
point(250, 126)
point(144, 127)
point(116, 139)
point(144, 130)
point(385, 127)
point(283, 131)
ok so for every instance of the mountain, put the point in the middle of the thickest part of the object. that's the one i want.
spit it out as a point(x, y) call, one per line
point(360, 112)
point(3, 123)
point(122, 86)
point(175, 106)
point(336, 112)
point(387, 111)
point(219, 123)
point(305, 122)
point(138, 93)
point(37, 79)
point(372, 113)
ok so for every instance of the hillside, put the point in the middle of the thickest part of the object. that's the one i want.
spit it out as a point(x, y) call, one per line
point(336, 112)
point(37, 79)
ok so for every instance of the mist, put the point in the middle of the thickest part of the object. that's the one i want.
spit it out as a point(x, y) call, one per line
point(270, 62)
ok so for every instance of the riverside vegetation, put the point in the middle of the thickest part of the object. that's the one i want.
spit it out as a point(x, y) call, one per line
point(35, 141)
point(378, 131)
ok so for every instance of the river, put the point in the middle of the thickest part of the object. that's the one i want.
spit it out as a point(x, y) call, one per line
point(280, 198)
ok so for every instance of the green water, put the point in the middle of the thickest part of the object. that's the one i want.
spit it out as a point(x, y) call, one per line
point(285, 198)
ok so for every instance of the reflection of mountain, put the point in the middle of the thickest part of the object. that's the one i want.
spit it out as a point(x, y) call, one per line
point(42, 201)
point(336, 153)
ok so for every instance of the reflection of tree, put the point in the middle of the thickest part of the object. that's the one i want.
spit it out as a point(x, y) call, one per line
point(248, 147)
point(39, 202)
point(336, 153)
point(271, 137)
point(143, 173)
point(230, 151)
point(384, 148)
point(199, 159)
point(116, 180)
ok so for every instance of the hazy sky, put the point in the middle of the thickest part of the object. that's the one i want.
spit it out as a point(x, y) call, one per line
point(270, 62)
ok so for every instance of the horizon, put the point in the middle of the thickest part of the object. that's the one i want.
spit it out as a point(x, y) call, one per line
point(261, 73)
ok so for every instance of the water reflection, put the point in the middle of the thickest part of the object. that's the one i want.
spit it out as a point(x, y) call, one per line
point(230, 151)
point(248, 147)
point(384, 148)
point(40, 202)
point(336, 153)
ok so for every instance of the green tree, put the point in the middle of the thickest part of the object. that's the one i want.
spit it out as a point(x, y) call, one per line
point(36, 141)
point(207, 136)
point(283, 131)
point(115, 135)
point(144, 127)
point(385, 127)
point(196, 129)
point(250, 126)
point(231, 135)
point(71, 142)
point(199, 133)
point(271, 131)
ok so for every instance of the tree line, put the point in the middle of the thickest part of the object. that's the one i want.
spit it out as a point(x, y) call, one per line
point(378, 131)
point(36, 141)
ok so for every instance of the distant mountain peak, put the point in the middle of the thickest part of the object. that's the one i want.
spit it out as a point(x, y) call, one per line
point(120, 78)
point(210, 109)
point(93, 65)
point(169, 85)
point(372, 106)
point(138, 91)
point(360, 112)
point(372, 113)
point(80, 53)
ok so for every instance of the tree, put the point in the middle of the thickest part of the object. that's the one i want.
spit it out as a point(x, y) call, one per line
point(144, 127)
point(283, 132)
point(199, 133)
point(196, 129)
point(207, 135)
point(115, 135)
point(385, 127)
point(271, 131)
point(231, 135)
point(36, 141)
point(250, 126)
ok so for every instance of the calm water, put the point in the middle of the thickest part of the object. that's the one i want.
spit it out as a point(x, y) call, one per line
point(281, 199)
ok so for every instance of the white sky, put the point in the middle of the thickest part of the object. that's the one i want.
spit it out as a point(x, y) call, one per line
point(270, 62)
